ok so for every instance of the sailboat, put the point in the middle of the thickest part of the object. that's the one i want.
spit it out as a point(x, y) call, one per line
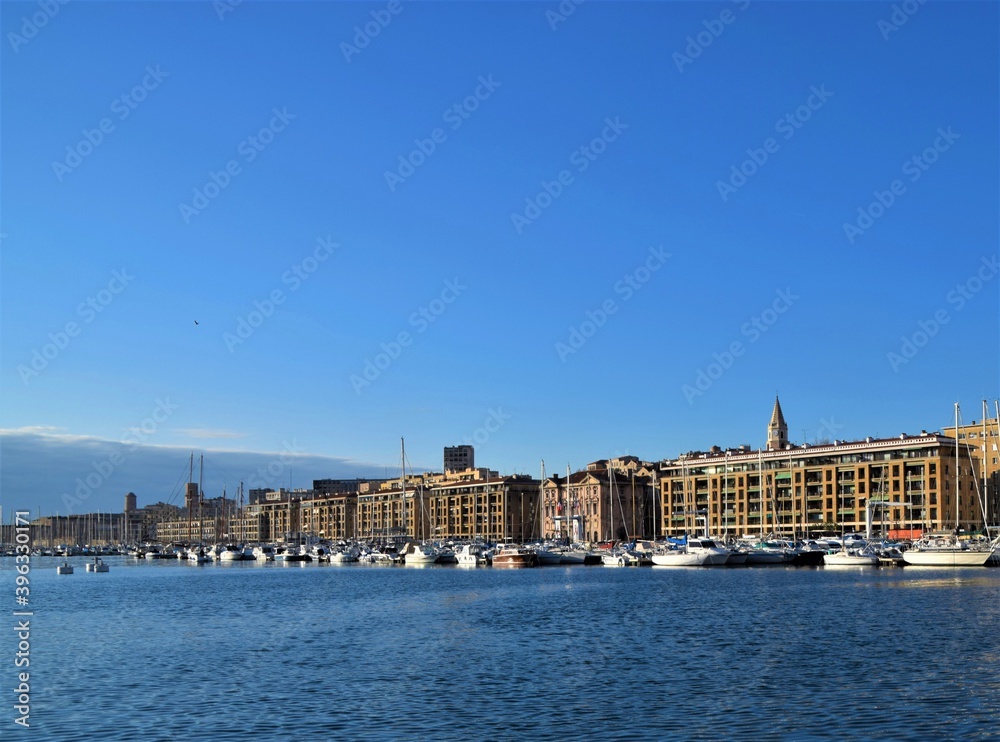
point(945, 549)
point(415, 552)
point(198, 554)
point(845, 557)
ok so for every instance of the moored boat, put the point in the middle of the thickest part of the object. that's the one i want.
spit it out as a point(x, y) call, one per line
point(264, 553)
point(680, 557)
point(850, 558)
point(419, 554)
point(472, 555)
point(944, 550)
point(515, 556)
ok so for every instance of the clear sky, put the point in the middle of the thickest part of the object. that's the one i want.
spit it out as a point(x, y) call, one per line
point(556, 235)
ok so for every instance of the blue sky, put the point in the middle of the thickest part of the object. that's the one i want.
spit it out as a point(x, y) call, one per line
point(476, 227)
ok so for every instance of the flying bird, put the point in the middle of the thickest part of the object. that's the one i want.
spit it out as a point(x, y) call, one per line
point(196, 321)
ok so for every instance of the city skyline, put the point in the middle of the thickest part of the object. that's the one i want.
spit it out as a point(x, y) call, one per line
point(104, 471)
point(551, 231)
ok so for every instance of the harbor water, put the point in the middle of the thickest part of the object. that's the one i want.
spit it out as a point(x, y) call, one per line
point(164, 650)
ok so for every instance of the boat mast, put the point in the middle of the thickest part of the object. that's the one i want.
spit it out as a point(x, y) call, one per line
point(541, 503)
point(986, 499)
point(201, 493)
point(402, 485)
point(243, 530)
point(956, 471)
point(725, 499)
point(566, 514)
point(189, 509)
point(760, 488)
point(657, 502)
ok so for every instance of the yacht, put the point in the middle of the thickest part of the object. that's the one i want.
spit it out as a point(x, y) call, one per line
point(681, 557)
point(515, 556)
point(945, 550)
point(198, 555)
point(472, 555)
point(264, 553)
point(418, 554)
point(715, 554)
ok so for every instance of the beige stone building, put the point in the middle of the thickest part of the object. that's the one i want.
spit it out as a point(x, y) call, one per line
point(984, 437)
point(477, 503)
point(905, 485)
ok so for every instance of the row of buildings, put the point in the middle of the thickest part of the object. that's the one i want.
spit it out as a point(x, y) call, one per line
point(900, 486)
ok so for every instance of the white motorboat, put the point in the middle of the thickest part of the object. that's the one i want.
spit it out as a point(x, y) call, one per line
point(64, 569)
point(472, 555)
point(715, 555)
point(320, 552)
point(264, 553)
point(230, 553)
point(198, 555)
point(419, 554)
point(344, 556)
point(292, 553)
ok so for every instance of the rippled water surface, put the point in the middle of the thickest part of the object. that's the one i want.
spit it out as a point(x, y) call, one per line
point(175, 651)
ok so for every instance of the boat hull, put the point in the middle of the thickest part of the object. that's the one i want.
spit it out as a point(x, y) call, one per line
point(679, 559)
point(515, 560)
point(945, 558)
point(840, 559)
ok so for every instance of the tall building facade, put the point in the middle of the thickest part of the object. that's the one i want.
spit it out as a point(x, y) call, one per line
point(459, 458)
point(901, 486)
point(984, 438)
point(608, 501)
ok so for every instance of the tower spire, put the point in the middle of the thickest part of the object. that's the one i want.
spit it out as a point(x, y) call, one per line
point(777, 429)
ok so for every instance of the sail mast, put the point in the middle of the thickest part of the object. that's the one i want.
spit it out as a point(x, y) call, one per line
point(956, 470)
point(986, 499)
point(402, 486)
point(541, 503)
